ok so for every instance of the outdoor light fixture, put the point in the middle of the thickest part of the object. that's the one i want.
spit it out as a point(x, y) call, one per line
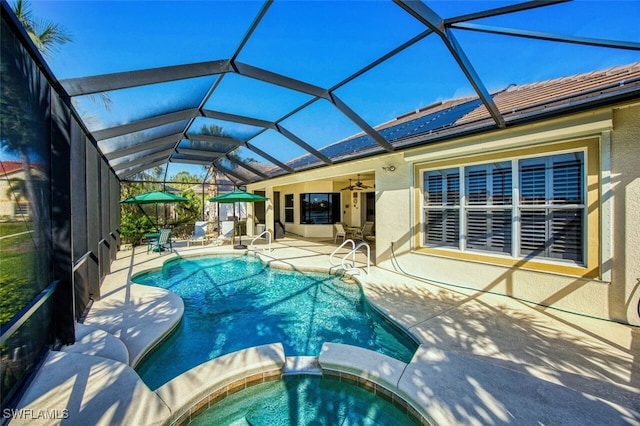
point(355, 199)
point(390, 168)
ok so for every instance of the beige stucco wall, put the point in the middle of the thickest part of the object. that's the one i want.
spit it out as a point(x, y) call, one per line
point(325, 179)
point(624, 294)
point(613, 295)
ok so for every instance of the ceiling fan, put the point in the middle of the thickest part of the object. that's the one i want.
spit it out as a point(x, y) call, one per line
point(356, 186)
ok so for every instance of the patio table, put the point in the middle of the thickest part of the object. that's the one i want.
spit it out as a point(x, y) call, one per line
point(351, 230)
point(151, 236)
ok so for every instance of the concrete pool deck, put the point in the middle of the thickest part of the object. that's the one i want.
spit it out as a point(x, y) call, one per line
point(483, 358)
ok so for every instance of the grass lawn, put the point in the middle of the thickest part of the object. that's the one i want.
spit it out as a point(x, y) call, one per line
point(19, 271)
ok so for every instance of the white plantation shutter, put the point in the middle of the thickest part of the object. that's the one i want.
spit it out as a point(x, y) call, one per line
point(566, 231)
point(434, 182)
point(567, 181)
point(477, 229)
point(434, 226)
point(477, 185)
point(533, 188)
point(489, 227)
point(501, 186)
point(533, 232)
point(500, 236)
point(442, 199)
point(453, 188)
point(451, 227)
point(489, 231)
point(550, 209)
point(555, 183)
point(567, 224)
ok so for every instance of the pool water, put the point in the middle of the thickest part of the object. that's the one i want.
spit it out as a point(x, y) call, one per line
point(236, 302)
point(303, 400)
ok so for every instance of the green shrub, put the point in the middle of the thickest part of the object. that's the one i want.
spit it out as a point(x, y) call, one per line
point(241, 228)
point(133, 227)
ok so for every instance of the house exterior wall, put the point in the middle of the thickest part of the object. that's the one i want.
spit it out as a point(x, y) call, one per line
point(7, 198)
point(624, 295)
point(606, 285)
point(321, 180)
point(7, 203)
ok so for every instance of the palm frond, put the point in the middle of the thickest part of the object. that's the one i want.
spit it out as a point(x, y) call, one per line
point(49, 35)
point(46, 35)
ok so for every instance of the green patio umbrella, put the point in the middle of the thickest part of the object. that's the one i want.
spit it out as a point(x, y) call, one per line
point(154, 197)
point(238, 196)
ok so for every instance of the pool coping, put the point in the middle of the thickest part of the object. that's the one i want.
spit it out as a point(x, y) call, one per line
point(431, 374)
point(191, 393)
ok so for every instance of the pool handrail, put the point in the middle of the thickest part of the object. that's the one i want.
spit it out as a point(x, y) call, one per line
point(353, 251)
point(345, 242)
point(267, 232)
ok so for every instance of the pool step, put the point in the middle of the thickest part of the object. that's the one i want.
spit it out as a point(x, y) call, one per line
point(301, 365)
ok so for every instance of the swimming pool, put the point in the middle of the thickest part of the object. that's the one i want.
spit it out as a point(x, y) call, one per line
point(304, 400)
point(236, 302)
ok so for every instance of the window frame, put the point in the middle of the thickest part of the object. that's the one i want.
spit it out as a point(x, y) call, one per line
point(333, 208)
point(550, 206)
point(289, 210)
point(589, 265)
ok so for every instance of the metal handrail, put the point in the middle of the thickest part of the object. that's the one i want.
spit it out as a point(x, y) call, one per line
point(356, 248)
point(353, 246)
point(21, 317)
point(83, 259)
point(256, 238)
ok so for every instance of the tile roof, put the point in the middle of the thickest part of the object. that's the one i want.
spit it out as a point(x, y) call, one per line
point(544, 94)
point(7, 167)
point(516, 102)
point(10, 166)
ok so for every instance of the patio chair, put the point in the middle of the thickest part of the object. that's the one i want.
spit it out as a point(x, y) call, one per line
point(340, 232)
point(199, 233)
point(151, 239)
point(163, 239)
point(365, 232)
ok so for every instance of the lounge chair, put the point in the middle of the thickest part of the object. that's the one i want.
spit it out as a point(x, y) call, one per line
point(199, 233)
point(164, 239)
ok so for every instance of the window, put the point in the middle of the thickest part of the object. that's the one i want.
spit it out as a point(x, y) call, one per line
point(552, 206)
point(488, 217)
point(442, 196)
point(288, 208)
point(21, 209)
point(320, 208)
point(480, 213)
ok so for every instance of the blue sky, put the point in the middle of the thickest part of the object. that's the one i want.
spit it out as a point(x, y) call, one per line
point(322, 43)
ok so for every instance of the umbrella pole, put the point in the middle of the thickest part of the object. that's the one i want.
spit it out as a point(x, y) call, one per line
point(147, 216)
point(238, 246)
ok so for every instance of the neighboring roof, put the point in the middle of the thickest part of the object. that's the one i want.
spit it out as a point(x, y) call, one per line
point(8, 167)
point(11, 166)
